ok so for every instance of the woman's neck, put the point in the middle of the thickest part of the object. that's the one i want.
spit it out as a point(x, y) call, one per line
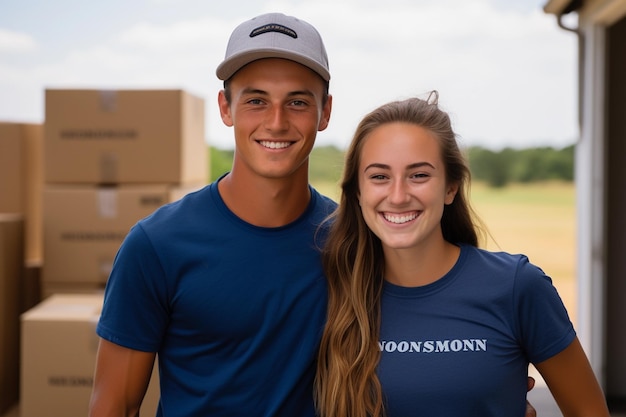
point(420, 266)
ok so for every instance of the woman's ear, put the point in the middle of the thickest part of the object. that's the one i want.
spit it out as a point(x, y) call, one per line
point(451, 193)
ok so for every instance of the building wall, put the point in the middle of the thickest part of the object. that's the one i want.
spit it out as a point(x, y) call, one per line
point(601, 184)
point(615, 349)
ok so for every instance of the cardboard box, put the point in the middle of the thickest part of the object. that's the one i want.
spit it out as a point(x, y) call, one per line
point(85, 225)
point(21, 180)
point(11, 272)
point(11, 169)
point(48, 289)
point(124, 136)
point(59, 346)
point(31, 286)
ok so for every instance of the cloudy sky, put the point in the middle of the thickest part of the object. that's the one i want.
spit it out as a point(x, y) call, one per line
point(505, 71)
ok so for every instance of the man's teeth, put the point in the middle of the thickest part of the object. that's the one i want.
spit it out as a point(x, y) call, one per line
point(274, 145)
point(399, 219)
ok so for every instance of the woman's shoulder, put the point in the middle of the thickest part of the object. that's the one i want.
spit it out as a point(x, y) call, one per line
point(502, 263)
point(501, 259)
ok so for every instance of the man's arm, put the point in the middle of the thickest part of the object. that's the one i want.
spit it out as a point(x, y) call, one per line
point(120, 381)
point(530, 410)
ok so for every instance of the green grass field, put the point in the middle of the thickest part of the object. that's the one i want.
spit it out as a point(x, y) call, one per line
point(538, 220)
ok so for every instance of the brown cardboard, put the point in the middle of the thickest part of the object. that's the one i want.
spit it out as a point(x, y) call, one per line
point(31, 285)
point(11, 166)
point(49, 289)
point(85, 225)
point(11, 272)
point(33, 139)
point(59, 346)
point(21, 179)
point(124, 136)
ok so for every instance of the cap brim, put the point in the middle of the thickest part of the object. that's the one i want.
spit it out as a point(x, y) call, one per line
point(234, 63)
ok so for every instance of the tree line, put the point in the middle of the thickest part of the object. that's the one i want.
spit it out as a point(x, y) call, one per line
point(496, 168)
point(499, 168)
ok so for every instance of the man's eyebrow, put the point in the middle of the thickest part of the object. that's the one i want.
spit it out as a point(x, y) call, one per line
point(301, 93)
point(259, 92)
point(254, 91)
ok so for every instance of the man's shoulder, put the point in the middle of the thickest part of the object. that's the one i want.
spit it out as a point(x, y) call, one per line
point(324, 201)
point(185, 208)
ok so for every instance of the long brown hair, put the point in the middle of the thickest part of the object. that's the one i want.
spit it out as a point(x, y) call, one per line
point(346, 384)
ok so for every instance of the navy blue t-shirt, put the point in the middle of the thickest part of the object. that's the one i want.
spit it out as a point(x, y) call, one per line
point(461, 345)
point(234, 311)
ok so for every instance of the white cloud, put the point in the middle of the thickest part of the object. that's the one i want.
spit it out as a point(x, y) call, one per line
point(506, 78)
point(11, 41)
point(188, 34)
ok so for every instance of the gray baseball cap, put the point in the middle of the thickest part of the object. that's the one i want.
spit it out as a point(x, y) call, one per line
point(274, 35)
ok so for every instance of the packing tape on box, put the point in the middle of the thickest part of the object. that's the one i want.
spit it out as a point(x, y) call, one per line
point(108, 100)
point(108, 168)
point(107, 202)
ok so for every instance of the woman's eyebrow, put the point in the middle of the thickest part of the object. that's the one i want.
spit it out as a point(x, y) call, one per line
point(410, 166)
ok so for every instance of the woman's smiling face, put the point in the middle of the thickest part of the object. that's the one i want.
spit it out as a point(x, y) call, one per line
point(402, 185)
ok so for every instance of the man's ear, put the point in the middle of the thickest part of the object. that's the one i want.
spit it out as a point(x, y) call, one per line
point(224, 107)
point(325, 119)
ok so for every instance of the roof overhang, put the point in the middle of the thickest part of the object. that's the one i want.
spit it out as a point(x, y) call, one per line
point(556, 6)
point(608, 12)
point(602, 12)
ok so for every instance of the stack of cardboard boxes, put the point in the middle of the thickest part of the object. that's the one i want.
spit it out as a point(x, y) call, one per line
point(21, 178)
point(21, 182)
point(110, 158)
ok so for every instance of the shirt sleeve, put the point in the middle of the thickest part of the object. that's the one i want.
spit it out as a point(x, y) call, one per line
point(544, 325)
point(135, 307)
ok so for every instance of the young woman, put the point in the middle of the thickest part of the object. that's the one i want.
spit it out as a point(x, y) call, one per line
point(421, 322)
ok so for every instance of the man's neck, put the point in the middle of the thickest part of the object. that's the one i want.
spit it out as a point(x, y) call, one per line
point(265, 202)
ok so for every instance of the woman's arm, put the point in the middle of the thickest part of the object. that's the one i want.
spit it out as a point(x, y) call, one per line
point(120, 381)
point(573, 384)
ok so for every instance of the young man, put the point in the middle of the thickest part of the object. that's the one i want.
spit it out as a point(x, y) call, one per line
point(225, 287)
